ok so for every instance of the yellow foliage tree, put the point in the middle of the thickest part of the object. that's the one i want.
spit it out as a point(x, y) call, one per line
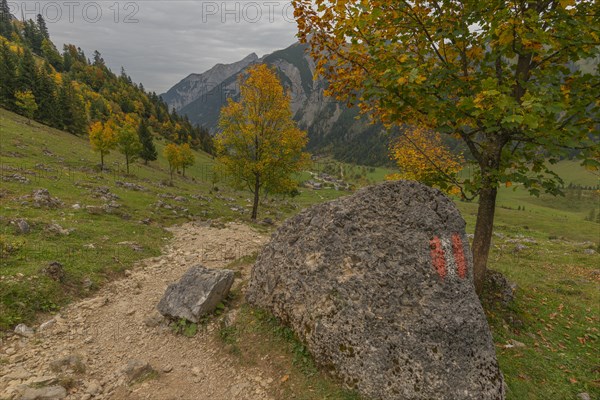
point(422, 156)
point(26, 102)
point(103, 139)
point(260, 146)
point(187, 157)
point(172, 153)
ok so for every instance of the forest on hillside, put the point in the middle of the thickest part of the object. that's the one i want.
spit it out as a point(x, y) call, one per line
point(69, 91)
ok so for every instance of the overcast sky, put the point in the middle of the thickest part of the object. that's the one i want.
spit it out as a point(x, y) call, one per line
point(161, 42)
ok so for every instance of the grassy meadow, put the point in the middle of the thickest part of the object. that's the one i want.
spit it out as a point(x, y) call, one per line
point(547, 339)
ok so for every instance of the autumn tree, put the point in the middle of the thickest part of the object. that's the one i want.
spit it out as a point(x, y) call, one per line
point(501, 76)
point(421, 155)
point(172, 153)
point(25, 101)
point(186, 155)
point(128, 142)
point(260, 145)
point(102, 139)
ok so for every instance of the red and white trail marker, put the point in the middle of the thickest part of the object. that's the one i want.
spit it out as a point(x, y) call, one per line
point(448, 256)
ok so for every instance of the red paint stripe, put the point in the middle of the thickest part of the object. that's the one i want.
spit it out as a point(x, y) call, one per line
point(459, 255)
point(437, 256)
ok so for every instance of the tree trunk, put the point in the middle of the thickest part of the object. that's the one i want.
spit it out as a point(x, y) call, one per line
point(483, 234)
point(101, 161)
point(127, 163)
point(256, 197)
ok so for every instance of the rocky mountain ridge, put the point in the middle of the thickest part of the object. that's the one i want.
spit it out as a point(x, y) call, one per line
point(332, 127)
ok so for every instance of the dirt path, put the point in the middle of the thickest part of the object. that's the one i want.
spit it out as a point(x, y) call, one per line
point(119, 324)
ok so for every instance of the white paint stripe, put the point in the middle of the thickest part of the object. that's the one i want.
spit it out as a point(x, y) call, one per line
point(449, 255)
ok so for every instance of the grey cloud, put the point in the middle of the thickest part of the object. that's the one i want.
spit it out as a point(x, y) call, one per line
point(170, 39)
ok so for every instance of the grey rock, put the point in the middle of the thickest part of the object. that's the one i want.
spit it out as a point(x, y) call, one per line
point(379, 287)
point(93, 387)
point(55, 271)
point(45, 393)
point(197, 293)
point(136, 370)
point(131, 186)
point(42, 199)
point(44, 380)
point(73, 362)
point(24, 330)
point(23, 227)
point(589, 251)
point(520, 247)
point(584, 396)
point(500, 287)
point(58, 230)
point(153, 320)
point(18, 372)
point(47, 325)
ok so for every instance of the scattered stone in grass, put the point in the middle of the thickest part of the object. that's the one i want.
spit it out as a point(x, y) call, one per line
point(584, 396)
point(42, 199)
point(268, 222)
point(15, 178)
point(589, 251)
point(55, 271)
point(133, 245)
point(104, 193)
point(23, 226)
point(131, 186)
point(499, 287)
point(94, 210)
point(519, 248)
point(58, 230)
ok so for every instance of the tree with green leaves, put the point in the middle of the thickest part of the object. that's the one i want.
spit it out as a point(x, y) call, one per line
point(25, 102)
point(51, 54)
point(72, 109)
point(148, 151)
point(46, 88)
point(6, 27)
point(503, 77)
point(8, 71)
point(27, 72)
point(128, 143)
point(42, 28)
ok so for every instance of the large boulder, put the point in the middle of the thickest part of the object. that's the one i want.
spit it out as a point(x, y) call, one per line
point(379, 285)
point(197, 293)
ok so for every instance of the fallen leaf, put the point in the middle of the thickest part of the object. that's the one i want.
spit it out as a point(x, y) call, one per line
point(284, 378)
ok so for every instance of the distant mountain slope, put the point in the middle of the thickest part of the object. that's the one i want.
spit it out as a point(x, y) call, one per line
point(196, 85)
point(332, 127)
